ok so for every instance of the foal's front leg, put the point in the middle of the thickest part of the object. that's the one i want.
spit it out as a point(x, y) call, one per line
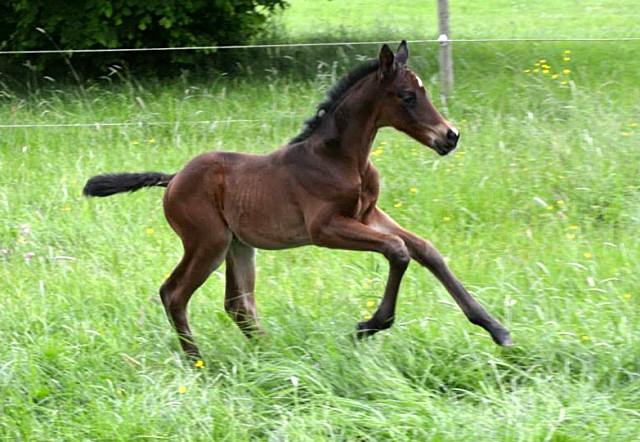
point(345, 233)
point(427, 255)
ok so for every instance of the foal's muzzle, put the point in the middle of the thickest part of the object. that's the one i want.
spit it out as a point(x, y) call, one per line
point(448, 142)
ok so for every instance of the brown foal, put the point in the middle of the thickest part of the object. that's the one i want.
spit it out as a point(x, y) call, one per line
point(320, 189)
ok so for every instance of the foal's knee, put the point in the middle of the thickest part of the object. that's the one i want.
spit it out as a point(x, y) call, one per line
point(397, 252)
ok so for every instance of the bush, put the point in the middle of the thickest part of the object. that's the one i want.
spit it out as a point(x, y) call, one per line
point(80, 24)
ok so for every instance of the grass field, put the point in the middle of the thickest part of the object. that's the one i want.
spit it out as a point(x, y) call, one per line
point(537, 211)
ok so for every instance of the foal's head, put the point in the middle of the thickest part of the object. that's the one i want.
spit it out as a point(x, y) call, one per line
point(406, 106)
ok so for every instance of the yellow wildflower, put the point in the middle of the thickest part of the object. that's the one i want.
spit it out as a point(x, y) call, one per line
point(149, 230)
point(413, 189)
point(199, 363)
point(166, 275)
point(554, 76)
point(182, 389)
point(566, 71)
point(545, 71)
point(65, 208)
point(397, 205)
point(383, 143)
point(560, 202)
point(633, 124)
point(573, 227)
point(588, 255)
point(567, 58)
point(135, 142)
point(152, 140)
point(367, 316)
point(527, 70)
point(627, 296)
point(585, 338)
point(567, 51)
point(571, 236)
point(377, 152)
point(564, 82)
point(550, 207)
point(446, 218)
point(370, 303)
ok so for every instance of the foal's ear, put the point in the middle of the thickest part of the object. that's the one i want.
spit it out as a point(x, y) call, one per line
point(402, 54)
point(385, 65)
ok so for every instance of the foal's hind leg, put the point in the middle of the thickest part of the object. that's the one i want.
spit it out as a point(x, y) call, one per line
point(197, 264)
point(205, 238)
point(241, 277)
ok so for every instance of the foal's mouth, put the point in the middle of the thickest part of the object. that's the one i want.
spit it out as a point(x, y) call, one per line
point(441, 143)
point(443, 148)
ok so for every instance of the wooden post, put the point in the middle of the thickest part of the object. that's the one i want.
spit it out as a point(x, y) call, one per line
point(446, 60)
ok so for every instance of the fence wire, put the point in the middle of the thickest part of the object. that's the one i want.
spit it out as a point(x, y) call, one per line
point(319, 44)
point(98, 125)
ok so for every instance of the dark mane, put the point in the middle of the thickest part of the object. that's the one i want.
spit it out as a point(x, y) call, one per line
point(333, 97)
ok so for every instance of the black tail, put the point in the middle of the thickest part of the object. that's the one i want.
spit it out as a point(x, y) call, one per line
point(112, 183)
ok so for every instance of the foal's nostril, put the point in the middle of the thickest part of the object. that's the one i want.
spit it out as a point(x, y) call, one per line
point(452, 136)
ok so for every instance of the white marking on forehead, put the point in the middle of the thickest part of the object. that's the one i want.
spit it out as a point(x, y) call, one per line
point(418, 80)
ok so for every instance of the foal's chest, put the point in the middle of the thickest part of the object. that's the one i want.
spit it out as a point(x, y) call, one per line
point(369, 191)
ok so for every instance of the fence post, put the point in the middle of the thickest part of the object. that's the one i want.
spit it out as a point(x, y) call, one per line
point(446, 60)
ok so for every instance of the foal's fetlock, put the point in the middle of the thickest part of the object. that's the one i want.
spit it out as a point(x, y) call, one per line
point(194, 357)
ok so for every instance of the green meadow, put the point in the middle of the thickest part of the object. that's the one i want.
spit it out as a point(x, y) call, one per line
point(537, 212)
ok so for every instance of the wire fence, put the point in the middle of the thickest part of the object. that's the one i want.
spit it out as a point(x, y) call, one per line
point(98, 125)
point(319, 44)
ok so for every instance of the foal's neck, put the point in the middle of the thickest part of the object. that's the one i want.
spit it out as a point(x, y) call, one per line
point(352, 125)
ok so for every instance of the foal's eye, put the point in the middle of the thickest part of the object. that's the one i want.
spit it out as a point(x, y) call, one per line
point(408, 97)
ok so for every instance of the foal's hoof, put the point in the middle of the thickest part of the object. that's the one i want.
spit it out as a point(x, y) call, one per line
point(364, 330)
point(502, 337)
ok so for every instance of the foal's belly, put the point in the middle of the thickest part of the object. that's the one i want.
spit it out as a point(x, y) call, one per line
point(270, 234)
point(264, 215)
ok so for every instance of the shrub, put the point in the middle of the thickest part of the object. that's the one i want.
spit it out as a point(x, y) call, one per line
point(74, 24)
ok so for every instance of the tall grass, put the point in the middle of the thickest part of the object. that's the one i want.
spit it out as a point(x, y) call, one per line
point(537, 212)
